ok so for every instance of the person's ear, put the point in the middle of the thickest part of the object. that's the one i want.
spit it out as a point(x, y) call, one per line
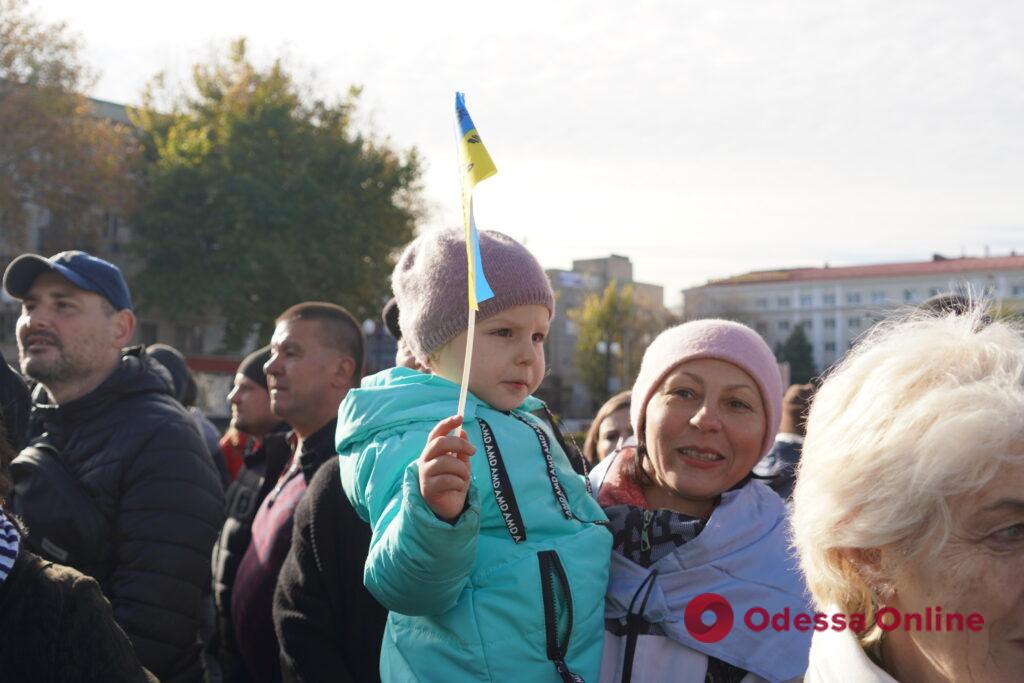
point(344, 373)
point(872, 567)
point(123, 328)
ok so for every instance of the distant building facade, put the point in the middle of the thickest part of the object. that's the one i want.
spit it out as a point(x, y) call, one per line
point(837, 305)
point(562, 388)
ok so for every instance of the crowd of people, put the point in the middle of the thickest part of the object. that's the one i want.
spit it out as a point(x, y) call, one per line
point(716, 527)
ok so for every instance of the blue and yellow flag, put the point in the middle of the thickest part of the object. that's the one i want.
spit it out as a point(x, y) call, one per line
point(475, 165)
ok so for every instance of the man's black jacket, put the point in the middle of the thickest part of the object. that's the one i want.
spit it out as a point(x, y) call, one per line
point(261, 469)
point(328, 625)
point(119, 485)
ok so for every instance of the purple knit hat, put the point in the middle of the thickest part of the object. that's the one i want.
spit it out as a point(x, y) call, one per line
point(429, 283)
point(718, 339)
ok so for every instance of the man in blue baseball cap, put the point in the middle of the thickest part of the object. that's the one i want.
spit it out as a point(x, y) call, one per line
point(116, 480)
point(77, 316)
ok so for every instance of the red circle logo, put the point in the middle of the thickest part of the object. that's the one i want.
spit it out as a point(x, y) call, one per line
point(698, 607)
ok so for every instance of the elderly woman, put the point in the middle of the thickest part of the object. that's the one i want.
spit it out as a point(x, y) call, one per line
point(610, 427)
point(909, 505)
point(698, 544)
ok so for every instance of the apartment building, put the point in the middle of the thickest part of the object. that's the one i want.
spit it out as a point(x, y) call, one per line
point(837, 305)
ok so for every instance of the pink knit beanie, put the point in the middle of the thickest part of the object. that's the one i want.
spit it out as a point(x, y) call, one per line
point(718, 339)
point(429, 283)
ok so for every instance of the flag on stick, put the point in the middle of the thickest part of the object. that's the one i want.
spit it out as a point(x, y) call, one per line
point(475, 165)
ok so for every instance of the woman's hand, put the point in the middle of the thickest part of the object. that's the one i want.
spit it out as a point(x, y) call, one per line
point(444, 469)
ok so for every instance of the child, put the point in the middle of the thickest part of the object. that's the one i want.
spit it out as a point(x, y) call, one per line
point(494, 565)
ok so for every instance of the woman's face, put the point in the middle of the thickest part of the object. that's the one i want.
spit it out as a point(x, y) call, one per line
point(980, 569)
point(704, 429)
point(613, 428)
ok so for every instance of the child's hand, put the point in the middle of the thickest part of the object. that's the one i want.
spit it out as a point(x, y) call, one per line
point(444, 470)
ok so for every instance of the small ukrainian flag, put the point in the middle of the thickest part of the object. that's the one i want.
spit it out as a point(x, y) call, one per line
point(475, 165)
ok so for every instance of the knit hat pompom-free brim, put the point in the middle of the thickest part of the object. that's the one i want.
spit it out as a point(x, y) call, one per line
point(430, 285)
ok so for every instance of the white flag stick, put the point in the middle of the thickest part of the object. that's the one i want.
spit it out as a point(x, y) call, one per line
point(467, 363)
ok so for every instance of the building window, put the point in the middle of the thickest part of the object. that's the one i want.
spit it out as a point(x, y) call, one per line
point(806, 300)
point(909, 295)
point(783, 302)
point(828, 299)
point(934, 291)
point(761, 302)
point(830, 347)
point(762, 328)
point(1018, 290)
point(853, 298)
point(783, 326)
point(878, 297)
point(830, 323)
point(853, 323)
point(807, 324)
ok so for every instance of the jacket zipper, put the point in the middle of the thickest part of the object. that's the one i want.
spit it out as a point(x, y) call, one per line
point(556, 593)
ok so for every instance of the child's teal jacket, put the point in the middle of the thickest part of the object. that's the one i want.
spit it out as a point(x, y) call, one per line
point(514, 589)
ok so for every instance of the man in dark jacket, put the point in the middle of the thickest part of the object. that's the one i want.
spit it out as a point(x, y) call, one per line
point(317, 355)
point(117, 482)
point(55, 624)
point(328, 624)
point(264, 459)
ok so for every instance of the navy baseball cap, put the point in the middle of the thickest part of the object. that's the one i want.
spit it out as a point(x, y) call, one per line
point(83, 270)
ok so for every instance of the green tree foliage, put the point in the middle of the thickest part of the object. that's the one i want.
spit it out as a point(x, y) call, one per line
point(61, 166)
point(613, 333)
point(603, 321)
point(260, 196)
point(797, 351)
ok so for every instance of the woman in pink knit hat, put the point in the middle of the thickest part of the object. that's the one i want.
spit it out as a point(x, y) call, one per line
point(700, 560)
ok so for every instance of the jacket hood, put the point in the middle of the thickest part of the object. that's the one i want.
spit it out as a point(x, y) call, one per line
point(397, 396)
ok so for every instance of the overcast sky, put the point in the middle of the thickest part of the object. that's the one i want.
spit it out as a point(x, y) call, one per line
point(699, 139)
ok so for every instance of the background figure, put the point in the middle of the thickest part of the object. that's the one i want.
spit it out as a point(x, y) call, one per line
point(15, 404)
point(609, 429)
point(117, 483)
point(778, 468)
point(260, 464)
point(404, 357)
point(185, 390)
point(910, 502)
point(317, 356)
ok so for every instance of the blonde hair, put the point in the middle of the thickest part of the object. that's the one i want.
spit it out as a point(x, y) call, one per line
point(924, 408)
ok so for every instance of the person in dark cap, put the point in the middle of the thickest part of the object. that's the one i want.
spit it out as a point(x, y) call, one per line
point(186, 391)
point(116, 481)
point(265, 455)
point(404, 357)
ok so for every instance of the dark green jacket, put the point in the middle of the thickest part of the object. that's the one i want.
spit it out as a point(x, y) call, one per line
point(55, 625)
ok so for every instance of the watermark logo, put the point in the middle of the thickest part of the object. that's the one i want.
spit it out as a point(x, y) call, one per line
point(708, 604)
point(713, 608)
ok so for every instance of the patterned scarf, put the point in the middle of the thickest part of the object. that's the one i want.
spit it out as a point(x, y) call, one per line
point(10, 539)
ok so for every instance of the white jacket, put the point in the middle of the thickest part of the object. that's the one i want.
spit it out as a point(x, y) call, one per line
point(837, 657)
